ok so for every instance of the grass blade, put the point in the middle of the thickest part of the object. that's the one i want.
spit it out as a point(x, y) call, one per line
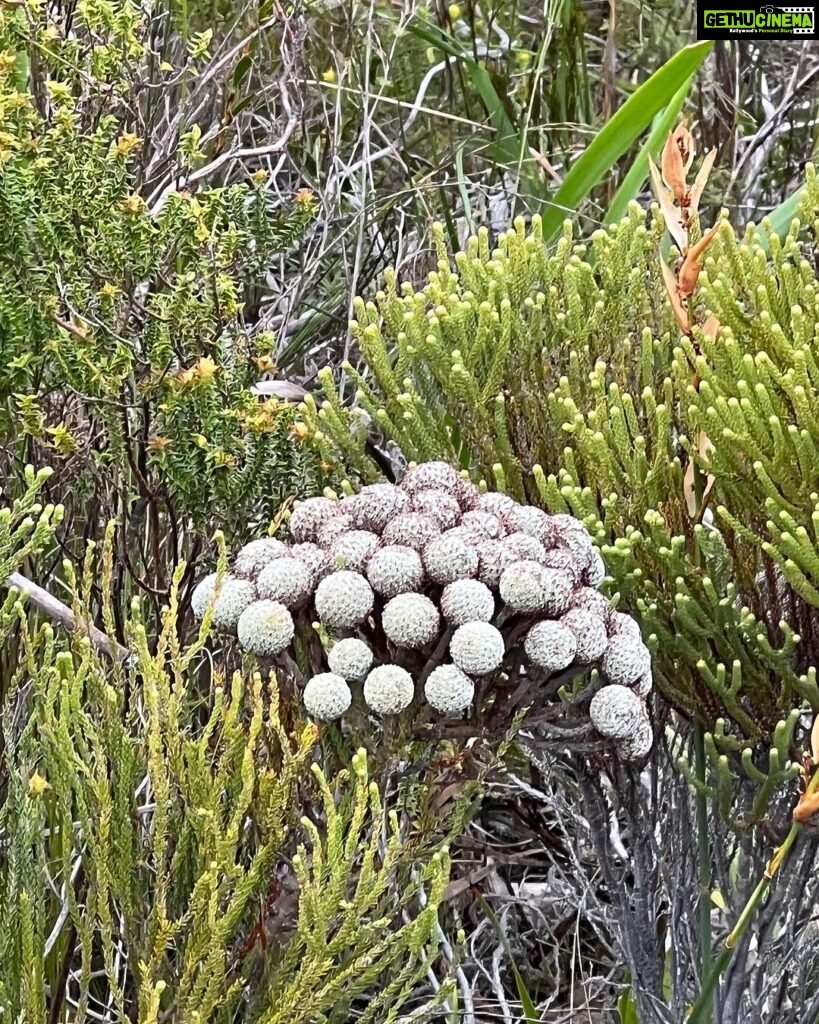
point(509, 147)
point(621, 131)
point(638, 172)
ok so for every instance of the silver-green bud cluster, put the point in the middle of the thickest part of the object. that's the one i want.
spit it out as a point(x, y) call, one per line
point(434, 561)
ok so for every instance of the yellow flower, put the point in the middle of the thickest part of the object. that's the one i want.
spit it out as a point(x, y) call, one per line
point(265, 363)
point(126, 143)
point(330, 76)
point(304, 197)
point(300, 430)
point(135, 204)
point(37, 785)
point(205, 368)
point(454, 12)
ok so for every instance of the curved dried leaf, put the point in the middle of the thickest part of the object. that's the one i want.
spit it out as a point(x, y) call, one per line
point(692, 264)
point(672, 166)
point(699, 183)
point(680, 311)
point(671, 213)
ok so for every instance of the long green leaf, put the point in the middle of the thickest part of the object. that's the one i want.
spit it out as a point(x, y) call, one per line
point(620, 132)
point(781, 218)
point(509, 144)
point(638, 172)
point(530, 1013)
point(626, 1008)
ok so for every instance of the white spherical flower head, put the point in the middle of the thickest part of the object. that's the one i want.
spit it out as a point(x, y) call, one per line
point(308, 518)
point(469, 535)
point(319, 562)
point(467, 495)
point(202, 593)
point(477, 648)
point(350, 658)
point(590, 633)
point(411, 530)
point(388, 690)
point(333, 529)
point(467, 601)
point(287, 580)
point(531, 520)
point(616, 712)
point(528, 587)
point(265, 628)
point(344, 599)
point(253, 557)
point(644, 685)
point(572, 534)
point(550, 646)
point(493, 558)
point(562, 559)
point(443, 508)
point(624, 625)
point(410, 620)
point(395, 569)
point(374, 506)
point(449, 690)
point(438, 476)
point(353, 550)
point(595, 572)
point(496, 504)
point(625, 660)
point(638, 745)
point(523, 547)
point(234, 596)
point(447, 559)
point(592, 600)
point(483, 523)
point(327, 696)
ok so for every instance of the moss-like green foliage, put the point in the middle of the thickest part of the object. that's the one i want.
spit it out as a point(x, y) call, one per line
point(562, 377)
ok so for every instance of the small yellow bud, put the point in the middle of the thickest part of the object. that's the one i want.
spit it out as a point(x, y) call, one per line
point(37, 785)
point(126, 143)
point(329, 76)
point(455, 12)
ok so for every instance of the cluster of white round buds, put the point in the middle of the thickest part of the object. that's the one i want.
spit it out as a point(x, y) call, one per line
point(233, 597)
point(396, 564)
point(620, 715)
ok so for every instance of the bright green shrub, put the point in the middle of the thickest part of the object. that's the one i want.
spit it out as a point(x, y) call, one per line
point(561, 376)
point(163, 852)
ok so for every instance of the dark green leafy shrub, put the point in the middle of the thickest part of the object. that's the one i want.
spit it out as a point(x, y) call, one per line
point(127, 353)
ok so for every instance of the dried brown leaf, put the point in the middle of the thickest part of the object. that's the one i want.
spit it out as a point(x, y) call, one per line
point(711, 327)
point(695, 194)
point(673, 166)
point(692, 264)
point(685, 144)
point(674, 295)
point(671, 213)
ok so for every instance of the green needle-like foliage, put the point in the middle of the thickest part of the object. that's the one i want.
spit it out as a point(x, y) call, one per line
point(165, 854)
point(560, 375)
